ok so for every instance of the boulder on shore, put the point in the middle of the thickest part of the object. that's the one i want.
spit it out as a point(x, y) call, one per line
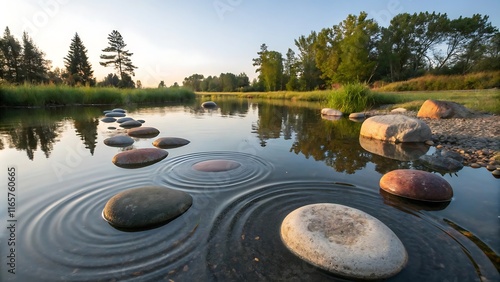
point(396, 128)
point(442, 109)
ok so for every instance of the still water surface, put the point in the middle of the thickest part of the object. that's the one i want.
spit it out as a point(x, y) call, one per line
point(290, 157)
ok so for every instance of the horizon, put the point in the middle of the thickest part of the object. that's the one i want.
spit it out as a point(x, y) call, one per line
point(172, 40)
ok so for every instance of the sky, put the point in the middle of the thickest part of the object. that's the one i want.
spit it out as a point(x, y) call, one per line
point(173, 39)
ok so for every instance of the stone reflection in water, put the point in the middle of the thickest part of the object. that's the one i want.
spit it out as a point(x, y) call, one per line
point(399, 151)
point(333, 142)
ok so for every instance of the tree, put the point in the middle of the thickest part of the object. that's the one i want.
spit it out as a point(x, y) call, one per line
point(119, 58)
point(77, 64)
point(193, 82)
point(161, 84)
point(290, 71)
point(270, 66)
point(12, 51)
point(346, 52)
point(111, 80)
point(307, 69)
point(34, 66)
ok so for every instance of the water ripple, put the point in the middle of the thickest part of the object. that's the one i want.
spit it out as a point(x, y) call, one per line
point(178, 172)
point(68, 240)
point(244, 242)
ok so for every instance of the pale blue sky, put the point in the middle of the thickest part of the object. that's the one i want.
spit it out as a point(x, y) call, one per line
point(174, 39)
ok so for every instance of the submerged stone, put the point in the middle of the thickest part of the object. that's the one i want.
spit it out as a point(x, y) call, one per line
point(440, 163)
point(417, 185)
point(130, 124)
point(209, 104)
point(344, 241)
point(119, 141)
point(145, 207)
point(170, 142)
point(143, 132)
point(108, 119)
point(115, 114)
point(216, 165)
point(139, 157)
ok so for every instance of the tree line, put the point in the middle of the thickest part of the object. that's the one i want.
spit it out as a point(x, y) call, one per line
point(25, 63)
point(359, 50)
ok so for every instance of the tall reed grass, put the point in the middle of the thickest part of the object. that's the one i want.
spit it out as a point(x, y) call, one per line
point(350, 98)
point(52, 95)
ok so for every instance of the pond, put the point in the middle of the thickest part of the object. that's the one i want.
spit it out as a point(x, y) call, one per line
point(290, 157)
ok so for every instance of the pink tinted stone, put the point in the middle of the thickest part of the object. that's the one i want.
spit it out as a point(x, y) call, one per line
point(417, 185)
point(216, 165)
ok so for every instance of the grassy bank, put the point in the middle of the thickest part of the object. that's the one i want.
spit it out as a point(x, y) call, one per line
point(312, 96)
point(478, 100)
point(52, 95)
point(480, 80)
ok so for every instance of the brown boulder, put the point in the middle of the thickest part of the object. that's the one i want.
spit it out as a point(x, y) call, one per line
point(417, 185)
point(442, 109)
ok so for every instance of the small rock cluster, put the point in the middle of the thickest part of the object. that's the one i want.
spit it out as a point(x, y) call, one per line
point(142, 207)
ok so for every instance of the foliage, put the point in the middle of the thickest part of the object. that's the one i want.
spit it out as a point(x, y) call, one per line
point(227, 82)
point(270, 68)
point(119, 58)
point(79, 70)
point(54, 95)
point(352, 97)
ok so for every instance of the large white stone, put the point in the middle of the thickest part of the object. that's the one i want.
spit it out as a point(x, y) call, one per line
point(344, 241)
point(396, 128)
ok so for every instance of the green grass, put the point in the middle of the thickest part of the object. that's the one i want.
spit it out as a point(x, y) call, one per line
point(351, 98)
point(52, 95)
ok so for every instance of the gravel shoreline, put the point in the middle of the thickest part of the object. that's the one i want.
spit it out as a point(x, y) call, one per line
point(476, 138)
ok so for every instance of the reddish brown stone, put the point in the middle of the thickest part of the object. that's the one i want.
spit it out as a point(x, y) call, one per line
point(145, 132)
point(139, 157)
point(442, 109)
point(417, 185)
point(216, 165)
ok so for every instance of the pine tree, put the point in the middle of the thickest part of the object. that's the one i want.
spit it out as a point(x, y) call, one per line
point(34, 66)
point(11, 50)
point(119, 58)
point(77, 64)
